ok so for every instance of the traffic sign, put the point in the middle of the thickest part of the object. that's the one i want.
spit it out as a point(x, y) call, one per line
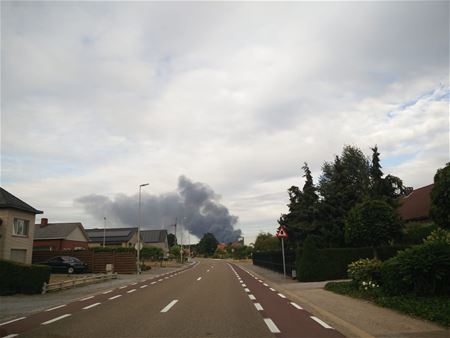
point(282, 233)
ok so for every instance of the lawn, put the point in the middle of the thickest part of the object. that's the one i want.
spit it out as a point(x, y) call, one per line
point(435, 309)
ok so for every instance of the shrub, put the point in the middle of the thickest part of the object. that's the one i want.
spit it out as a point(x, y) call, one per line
point(22, 278)
point(415, 232)
point(438, 236)
point(422, 270)
point(365, 273)
point(151, 252)
point(310, 262)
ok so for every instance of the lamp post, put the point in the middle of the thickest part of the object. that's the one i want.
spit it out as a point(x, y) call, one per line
point(104, 232)
point(139, 231)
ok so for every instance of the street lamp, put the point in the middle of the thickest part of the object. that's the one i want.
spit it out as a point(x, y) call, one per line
point(139, 231)
point(104, 232)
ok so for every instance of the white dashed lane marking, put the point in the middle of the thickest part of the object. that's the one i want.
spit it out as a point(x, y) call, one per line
point(258, 307)
point(199, 278)
point(271, 325)
point(325, 325)
point(252, 297)
point(272, 289)
point(12, 321)
point(144, 286)
point(131, 291)
point(56, 307)
point(123, 287)
point(56, 319)
point(169, 306)
point(11, 335)
point(281, 295)
point(246, 290)
point(106, 292)
point(90, 297)
point(296, 306)
point(114, 297)
point(91, 306)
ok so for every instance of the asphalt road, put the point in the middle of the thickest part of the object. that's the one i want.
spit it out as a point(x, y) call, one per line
point(211, 298)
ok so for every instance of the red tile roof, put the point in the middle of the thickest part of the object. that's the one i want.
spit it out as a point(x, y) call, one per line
point(416, 205)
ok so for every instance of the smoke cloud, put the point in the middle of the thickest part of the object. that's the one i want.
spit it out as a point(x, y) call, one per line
point(194, 204)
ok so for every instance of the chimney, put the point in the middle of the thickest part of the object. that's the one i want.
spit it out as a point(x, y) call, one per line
point(44, 222)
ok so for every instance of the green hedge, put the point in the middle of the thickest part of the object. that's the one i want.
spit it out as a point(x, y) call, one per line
point(22, 278)
point(332, 263)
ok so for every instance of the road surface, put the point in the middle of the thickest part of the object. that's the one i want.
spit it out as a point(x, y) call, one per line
point(210, 298)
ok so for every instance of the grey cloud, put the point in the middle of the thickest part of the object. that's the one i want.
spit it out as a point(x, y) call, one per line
point(194, 204)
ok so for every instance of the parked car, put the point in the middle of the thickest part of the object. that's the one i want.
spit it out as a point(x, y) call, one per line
point(67, 264)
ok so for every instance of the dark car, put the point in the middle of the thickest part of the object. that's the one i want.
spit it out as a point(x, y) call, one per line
point(67, 264)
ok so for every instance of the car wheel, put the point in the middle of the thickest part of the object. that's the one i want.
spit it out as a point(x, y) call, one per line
point(70, 270)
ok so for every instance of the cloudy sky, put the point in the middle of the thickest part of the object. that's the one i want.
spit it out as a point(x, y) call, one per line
point(97, 98)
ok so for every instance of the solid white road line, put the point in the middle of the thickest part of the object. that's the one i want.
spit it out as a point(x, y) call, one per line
point(296, 306)
point(246, 290)
point(56, 307)
point(131, 291)
point(91, 306)
point(144, 286)
point(106, 292)
point(90, 297)
point(114, 297)
point(169, 306)
point(55, 319)
point(272, 289)
point(123, 287)
point(11, 335)
point(258, 307)
point(12, 321)
point(271, 325)
point(325, 325)
point(199, 278)
point(252, 297)
point(281, 295)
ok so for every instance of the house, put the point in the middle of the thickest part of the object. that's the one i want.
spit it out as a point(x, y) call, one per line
point(115, 237)
point(17, 220)
point(156, 238)
point(221, 246)
point(59, 236)
point(415, 207)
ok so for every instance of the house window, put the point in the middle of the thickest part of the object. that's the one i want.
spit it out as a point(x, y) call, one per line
point(21, 227)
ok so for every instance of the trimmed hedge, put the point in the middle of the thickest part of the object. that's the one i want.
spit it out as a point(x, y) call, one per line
point(22, 278)
point(332, 263)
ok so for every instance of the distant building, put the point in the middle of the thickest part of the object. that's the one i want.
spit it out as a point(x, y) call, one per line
point(59, 236)
point(415, 207)
point(221, 246)
point(17, 220)
point(114, 237)
point(156, 238)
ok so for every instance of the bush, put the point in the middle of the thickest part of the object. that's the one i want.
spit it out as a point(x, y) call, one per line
point(22, 278)
point(438, 236)
point(365, 273)
point(415, 232)
point(152, 252)
point(421, 270)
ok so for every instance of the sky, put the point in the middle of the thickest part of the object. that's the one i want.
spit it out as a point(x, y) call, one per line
point(231, 97)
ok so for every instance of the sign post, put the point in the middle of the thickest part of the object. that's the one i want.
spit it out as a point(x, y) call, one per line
point(281, 233)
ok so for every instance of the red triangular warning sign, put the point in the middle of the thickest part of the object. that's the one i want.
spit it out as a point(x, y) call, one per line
point(281, 233)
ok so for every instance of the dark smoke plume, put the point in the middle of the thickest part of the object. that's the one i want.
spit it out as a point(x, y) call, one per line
point(194, 204)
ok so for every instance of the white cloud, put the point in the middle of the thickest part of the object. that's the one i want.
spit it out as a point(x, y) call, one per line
point(100, 97)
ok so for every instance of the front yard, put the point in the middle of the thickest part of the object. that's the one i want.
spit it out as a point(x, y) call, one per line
point(433, 308)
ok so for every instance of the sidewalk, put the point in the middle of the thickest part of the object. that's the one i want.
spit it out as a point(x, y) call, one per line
point(352, 317)
point(20, 305)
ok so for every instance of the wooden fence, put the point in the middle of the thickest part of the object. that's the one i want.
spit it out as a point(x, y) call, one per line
point(123, 262)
